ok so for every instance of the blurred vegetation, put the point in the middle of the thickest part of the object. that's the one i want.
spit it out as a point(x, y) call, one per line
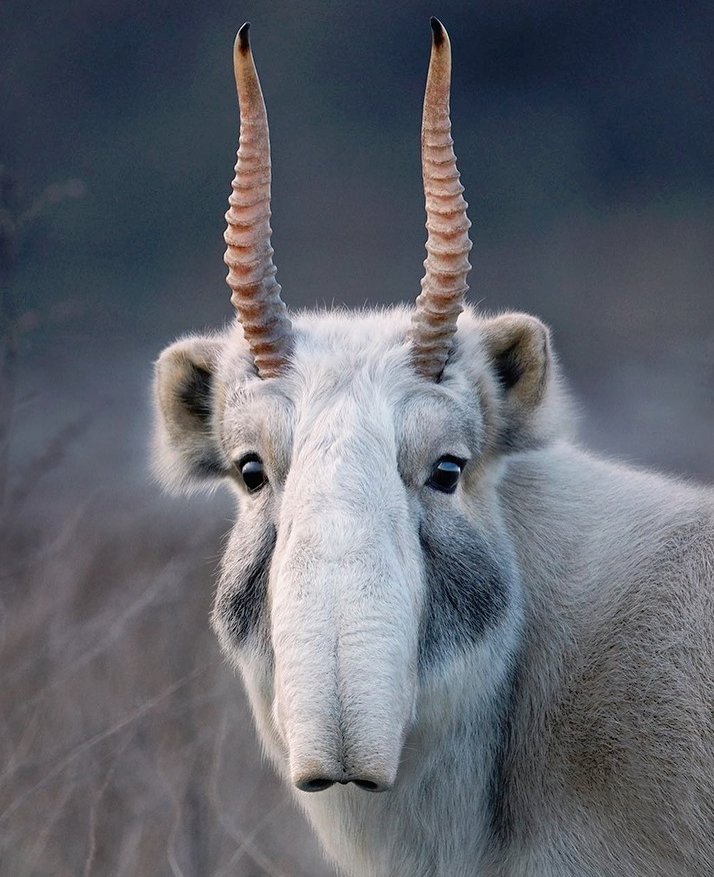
point(126, 747)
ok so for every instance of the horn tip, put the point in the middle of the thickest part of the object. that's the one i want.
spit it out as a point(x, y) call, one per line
point(242, 39)
point(438, 32)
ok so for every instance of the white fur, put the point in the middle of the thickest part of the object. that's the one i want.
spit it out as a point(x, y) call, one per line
point(607, 764)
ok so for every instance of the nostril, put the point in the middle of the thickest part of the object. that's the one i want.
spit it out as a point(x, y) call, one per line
point(318, 784)
point(369, 785)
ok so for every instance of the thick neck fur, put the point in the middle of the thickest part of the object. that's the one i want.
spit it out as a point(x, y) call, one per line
point(610, 753)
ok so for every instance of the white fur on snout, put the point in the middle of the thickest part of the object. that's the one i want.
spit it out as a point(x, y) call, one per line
point(345, 602)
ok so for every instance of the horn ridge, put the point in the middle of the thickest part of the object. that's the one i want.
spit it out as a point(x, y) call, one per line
point(443, 287)
point(249, 255)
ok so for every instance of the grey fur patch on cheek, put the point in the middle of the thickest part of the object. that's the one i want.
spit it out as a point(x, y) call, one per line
point(241, 607)
point(503, 821)
point(467, 588)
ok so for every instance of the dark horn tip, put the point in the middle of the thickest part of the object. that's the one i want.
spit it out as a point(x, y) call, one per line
point(438, 32)
point(243, 39)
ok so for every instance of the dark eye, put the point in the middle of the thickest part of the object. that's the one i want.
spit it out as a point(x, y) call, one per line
point(252, 472)
point(445, 474)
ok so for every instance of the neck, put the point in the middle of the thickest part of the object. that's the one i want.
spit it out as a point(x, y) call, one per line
point(609, 557)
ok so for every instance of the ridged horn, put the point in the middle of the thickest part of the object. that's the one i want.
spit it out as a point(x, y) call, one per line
point(249, 257)
point(447, 265)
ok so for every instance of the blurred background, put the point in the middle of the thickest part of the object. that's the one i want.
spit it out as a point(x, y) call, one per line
point(584, 136)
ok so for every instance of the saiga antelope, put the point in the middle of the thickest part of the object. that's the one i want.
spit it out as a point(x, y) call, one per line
point(431, 591)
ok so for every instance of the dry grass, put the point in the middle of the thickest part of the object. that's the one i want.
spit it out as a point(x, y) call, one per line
point(126, 745)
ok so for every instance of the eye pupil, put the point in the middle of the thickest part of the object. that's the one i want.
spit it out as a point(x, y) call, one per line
point(445, 474)
point(253, 473)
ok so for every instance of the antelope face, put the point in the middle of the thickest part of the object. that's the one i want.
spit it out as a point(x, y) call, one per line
point(364, 451)
point(368, 550)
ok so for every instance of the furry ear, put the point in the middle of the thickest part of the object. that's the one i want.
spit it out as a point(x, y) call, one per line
point(186, 399)
point(519, 351)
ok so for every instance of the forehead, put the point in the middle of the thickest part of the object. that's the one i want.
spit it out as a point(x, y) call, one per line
point(351, 374)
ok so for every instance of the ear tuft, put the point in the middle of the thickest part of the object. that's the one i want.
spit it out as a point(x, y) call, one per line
point(186, 450)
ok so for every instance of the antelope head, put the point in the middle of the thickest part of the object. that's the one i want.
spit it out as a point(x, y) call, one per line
point(364, 449)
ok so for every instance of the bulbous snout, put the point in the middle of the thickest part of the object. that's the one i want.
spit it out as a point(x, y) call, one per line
point(363, 750)
point(345, 602)
point(341, 723)
point(345, 638)
point(375, 772)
